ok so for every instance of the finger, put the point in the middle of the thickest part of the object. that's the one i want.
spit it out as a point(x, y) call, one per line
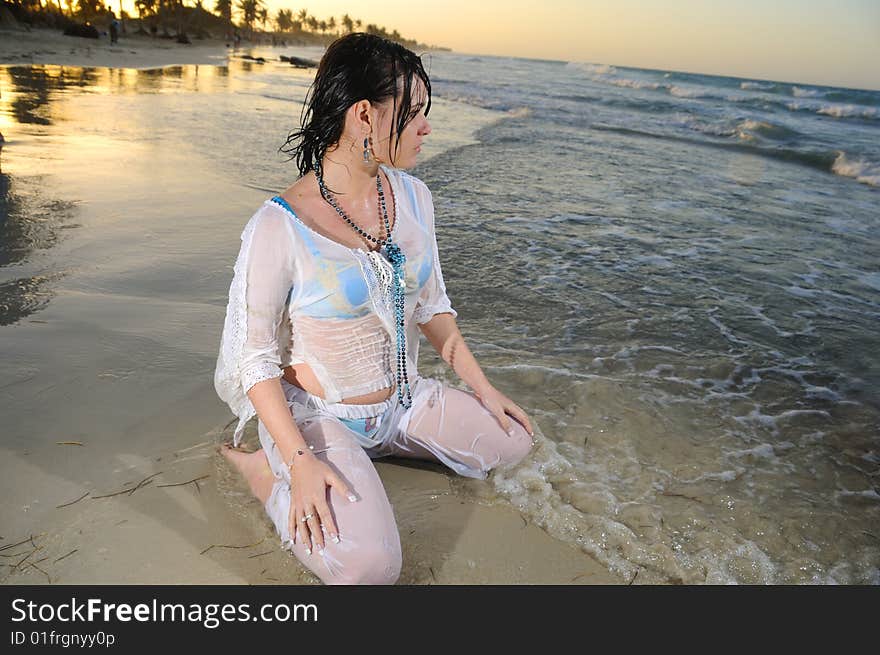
point(341, 487)
point(327, 523)
point(291, 521)
point(498, 412)
point(502, 419)
point(291, 516)
point(316, 525)
point(315, 535)
point(304, 532)
point(522, 417)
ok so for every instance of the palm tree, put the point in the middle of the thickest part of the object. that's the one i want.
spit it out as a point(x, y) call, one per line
point(88, 9)
point(144, 7)
point(250, 9)
point(312, 23)
point(284, 20)
point(331, 23)
point(224, 8)
point(263, 16)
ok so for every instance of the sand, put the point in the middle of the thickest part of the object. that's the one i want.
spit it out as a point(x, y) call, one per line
point(42, 46)
point(185, 517)
point(100, 367)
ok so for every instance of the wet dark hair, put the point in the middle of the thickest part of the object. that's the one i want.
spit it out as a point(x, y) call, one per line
point(355, 67)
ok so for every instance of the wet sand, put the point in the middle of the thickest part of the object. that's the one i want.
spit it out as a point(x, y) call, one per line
point(211, 532)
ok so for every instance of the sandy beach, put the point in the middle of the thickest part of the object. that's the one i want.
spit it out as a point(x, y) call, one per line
point(113, 312)
point(43, 46)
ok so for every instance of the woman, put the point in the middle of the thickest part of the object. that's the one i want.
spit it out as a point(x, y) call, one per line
point(333, 280)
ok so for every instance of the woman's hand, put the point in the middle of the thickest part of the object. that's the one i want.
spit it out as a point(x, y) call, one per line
point(500, 405)
point(309, 479)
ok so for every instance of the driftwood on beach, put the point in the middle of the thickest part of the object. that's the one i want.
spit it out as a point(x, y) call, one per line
point(299, 62)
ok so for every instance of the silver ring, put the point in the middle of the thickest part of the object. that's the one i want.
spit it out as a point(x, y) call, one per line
point(307, 517)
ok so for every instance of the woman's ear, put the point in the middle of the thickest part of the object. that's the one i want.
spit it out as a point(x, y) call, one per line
point(363, 115)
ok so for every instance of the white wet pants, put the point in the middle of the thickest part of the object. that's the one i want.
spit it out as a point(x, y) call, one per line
point(443, 424)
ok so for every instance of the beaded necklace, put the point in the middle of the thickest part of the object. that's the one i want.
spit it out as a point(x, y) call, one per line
point(395, 288)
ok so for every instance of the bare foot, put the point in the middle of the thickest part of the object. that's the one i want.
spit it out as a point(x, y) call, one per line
point(255, 469)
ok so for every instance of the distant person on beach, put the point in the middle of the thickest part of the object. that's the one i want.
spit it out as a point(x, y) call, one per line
point(334, 280)
point(114, 29)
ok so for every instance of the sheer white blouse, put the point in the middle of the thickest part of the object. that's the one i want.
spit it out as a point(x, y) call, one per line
point(299, 297)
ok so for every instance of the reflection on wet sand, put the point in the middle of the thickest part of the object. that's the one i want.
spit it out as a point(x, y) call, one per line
point(22, 297)
point(29, 91)
point(29, 221)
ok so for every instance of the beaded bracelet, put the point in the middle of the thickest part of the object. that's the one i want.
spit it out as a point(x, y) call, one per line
point(292, 457)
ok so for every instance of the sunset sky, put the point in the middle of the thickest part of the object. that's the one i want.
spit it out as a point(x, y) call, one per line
point(835, 43)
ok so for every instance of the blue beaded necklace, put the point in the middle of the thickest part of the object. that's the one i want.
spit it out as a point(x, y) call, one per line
point(392, 252)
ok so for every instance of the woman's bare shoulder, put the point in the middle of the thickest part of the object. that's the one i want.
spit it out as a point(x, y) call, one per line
point(303, 190)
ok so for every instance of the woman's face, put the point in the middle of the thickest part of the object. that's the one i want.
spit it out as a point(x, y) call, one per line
point(405, 155)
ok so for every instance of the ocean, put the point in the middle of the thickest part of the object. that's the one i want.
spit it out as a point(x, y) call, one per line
point(675, 275)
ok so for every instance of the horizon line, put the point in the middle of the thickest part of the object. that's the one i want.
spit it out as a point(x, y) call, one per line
point(655, 70)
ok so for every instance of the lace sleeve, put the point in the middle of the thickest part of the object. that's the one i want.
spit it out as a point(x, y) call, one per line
point(262, 279)
point(432, 298)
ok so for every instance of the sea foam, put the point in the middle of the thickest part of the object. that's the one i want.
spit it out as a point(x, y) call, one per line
point(862, 170)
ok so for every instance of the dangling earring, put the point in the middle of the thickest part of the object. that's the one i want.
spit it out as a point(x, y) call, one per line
point(366, 150)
